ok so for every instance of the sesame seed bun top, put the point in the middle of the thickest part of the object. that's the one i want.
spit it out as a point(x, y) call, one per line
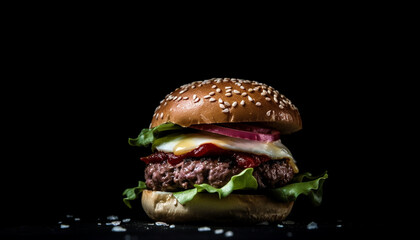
point(228, 100)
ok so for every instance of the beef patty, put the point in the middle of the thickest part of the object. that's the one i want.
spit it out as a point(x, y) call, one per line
point(213, 171)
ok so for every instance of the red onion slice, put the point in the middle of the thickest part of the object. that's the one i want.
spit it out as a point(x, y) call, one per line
point(243, 131)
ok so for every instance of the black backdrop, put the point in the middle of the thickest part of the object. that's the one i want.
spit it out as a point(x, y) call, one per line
point(76, 102)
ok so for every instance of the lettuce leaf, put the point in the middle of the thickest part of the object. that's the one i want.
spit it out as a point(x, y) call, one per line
point(304, 184)
point(133, 193)
point(312, 188)
point(148, 136)
point(241, 181)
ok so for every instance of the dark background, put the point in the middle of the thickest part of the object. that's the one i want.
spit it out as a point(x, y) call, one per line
point(77, 95)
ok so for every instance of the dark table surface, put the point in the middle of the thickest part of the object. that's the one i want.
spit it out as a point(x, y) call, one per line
point(120, 227)
point(134, 227)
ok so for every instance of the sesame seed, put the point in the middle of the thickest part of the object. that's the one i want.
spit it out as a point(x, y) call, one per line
point(220, 100)
point(234, 104)
point(226, 110)
point(193, 86)
point(250, 99)
point(257, 88)
point(194, 96)
point(214, 86)
point(258, 104)
point(222, 106)
point(185, 98)
point(196, 100)
point(268, 113)
point(175, 98)
point(268, 99)
point(218, 90)
point(236, 91)
point(179, 99)
point(157, 116)
point(281, 106)
point(161, 115)
point(184, 90)
point(244, 94)
point(228, 87)
point(250, 90)
point(243, 103)
point(226, 80)
point(228, 90)
point(199, 85)
point(275, 99)
point(264, 92)
point(228, 94)
point(227, 104)
point(212, 100)
point(206, 97)
point(242, 87)
point(211, 93)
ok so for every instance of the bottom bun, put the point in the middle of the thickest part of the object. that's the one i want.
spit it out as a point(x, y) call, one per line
point(205, 207)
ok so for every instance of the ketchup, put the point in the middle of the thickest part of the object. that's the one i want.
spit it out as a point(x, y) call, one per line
point(244, 160)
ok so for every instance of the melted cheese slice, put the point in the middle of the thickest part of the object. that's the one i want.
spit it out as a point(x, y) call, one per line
point(185, 143)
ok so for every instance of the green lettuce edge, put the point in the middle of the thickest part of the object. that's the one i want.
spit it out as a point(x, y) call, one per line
point(312, 188)
point(305, 184)
point(148, 136)
point(241, 181)
point(133, 193)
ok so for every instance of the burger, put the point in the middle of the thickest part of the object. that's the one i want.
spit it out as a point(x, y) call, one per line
point(216, 155)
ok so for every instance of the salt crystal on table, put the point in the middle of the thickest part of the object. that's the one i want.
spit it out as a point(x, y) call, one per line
point(112, 217)
point(63, 226)
point(116, 223)
point(218, 231)
point(312, 225)
point(161, 224)
point(229, 234)
point(204, 229)
point(118, 229)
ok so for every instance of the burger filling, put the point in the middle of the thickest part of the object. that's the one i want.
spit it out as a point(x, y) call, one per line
point(197, 158)
point(215, 171)
point(220, 159)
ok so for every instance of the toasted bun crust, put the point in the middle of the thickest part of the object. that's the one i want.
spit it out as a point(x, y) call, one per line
point(228, 100)
point(205, 207)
